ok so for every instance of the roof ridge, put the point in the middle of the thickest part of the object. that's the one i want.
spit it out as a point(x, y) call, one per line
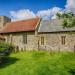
point(22, 20)
point(24, 25)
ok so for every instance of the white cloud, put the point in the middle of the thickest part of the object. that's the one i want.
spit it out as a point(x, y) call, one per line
point(70, 6)
point(22, 14)
point(27, 14)
point(47, 14)
point(54, 16)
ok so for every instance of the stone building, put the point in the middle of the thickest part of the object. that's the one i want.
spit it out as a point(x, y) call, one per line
point(21, 34)
point(3, 21)
point(38, 34)
point(54, 37)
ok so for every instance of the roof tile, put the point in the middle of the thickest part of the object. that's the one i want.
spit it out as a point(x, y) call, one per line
point(19, 26)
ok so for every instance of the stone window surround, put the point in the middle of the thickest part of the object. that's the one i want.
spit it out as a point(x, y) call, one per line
point(24, 38)
point(63, 38)
point(42, 40)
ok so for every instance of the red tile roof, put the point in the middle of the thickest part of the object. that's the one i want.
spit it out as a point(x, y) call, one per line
point(19, 26)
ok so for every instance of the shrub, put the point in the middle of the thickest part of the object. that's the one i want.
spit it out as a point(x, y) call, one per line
point(5, 50)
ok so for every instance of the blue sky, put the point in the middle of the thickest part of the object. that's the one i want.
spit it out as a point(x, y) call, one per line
point(35, 5)
point(6, 6)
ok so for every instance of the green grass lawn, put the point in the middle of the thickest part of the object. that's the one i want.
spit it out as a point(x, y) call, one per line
point(39, 63)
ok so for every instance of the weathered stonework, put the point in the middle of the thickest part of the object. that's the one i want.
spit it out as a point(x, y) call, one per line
point(52, 37)
point(3, 21)
point(17, 40)
point(52, 41)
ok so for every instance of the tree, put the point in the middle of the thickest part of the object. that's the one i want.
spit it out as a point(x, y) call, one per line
point(68, 19)
point(58, 15)
point(65, 23)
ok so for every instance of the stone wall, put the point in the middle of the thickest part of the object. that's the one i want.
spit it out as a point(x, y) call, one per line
point(17, 40)
point(3, 21)
point(53, 41)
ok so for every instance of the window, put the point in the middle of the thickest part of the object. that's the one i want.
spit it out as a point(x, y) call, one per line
point(24, 38)
point(63, 40)
point(42, 40)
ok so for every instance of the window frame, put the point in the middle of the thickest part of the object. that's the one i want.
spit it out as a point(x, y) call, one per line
point(63, 40)
point(24, 36)
point(42, 40)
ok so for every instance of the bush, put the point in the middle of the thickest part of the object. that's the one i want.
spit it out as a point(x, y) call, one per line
point(5, 50)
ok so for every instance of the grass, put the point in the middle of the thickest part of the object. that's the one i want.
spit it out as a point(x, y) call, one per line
point(39, 63)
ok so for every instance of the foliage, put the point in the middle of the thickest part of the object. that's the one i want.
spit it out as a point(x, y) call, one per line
point(68, 19)
point(39, 63)
point(5, 50)
point(58, 15)
point(65, 23)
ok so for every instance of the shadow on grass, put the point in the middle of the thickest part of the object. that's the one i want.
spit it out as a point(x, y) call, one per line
point(8, 61)
point(70, 70)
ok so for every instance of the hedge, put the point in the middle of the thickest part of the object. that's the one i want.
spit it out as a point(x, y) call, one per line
point(5, 50)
